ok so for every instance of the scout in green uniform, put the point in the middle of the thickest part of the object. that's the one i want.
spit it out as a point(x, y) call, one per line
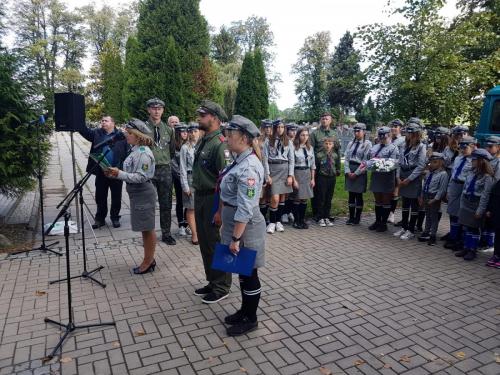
point(163, 150)
point(210, 158)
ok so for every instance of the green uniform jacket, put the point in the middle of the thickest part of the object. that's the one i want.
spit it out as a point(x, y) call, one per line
point(327, 165)
point(316, 140)
point(211, 156)
point(164, 150)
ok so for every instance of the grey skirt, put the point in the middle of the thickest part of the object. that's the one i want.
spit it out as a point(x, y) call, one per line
point(303, 177)
point(279, 174)
point(467, 211)
point(254, 236)
point(188, 200)
point(454, 194)
point(413, 189)
point(383, 182)
point(358, 185)
point(142, 206)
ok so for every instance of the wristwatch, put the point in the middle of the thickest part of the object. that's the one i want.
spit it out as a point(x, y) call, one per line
point(235, 239)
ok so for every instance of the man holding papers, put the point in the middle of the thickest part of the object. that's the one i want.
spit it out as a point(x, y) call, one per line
point(243, 225)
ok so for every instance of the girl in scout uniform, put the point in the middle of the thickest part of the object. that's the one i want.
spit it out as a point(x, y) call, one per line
point(181, 136)
point(327, 166)
point(278, 169)
point(398, 140)
point(242, 222)
point(266, 129)
point(493, 216)
point(474, 201)
point(287, 206)
point(138, 170)
point(382, 184)
point(492, 145)
point(356, 153)
point(186, 160)
point(433, 192)
point(303, 181)
point(412, 162)
point(462, 167)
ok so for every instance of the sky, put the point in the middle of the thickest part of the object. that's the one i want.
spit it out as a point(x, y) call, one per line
point(292, 21)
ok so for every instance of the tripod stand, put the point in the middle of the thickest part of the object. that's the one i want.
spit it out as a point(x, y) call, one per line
point(43, 247)
point(70, 326)
point(78, 190)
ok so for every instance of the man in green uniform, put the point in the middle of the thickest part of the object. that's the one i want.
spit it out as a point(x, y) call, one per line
point(210, 158)
point(163, 150)
point(316, 139)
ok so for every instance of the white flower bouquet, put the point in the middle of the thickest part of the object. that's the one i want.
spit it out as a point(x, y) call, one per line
point(381, 165)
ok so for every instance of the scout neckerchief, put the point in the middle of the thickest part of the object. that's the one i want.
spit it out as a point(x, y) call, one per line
point(353, 154)
point(428, 182)
point(305, 156)
point(472, 187)
point(382, 145)
point(460, 167)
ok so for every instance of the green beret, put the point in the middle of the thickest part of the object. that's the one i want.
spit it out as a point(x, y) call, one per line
point(244, 125)
point(207, 106)
point(155, 102)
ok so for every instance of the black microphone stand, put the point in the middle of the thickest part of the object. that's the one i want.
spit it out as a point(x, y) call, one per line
point(70, 326)
point(78, 190)
point(39, 174)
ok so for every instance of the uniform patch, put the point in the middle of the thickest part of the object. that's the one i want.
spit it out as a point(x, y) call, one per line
point(142, 148)
point(251, 182)
point(145, 167)
point(251, 192)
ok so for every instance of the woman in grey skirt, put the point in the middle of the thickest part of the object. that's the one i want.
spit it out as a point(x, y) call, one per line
point(412, 162)
point(186, 161)
point(138, 169)
point(278, 169)
point(382, 184)
point(303, 180)
point(356, 153)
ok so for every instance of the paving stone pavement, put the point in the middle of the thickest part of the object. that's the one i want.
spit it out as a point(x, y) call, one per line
point(339, 300)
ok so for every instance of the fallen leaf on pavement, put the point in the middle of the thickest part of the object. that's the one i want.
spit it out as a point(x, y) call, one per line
point(115, 344)
point(460, 355)
point(242, 369)
point(497, 358)
point(66, 359)
point(140, 332)
point(360, 313)
point(359, 362)
point(40, 293)
point(387, 365)
point(224, 343)
point(405, 359)
point(325, 371)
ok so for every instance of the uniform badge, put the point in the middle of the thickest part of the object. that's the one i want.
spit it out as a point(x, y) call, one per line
point(145, 167)
point(227, 157)
point(251, 181)
point(251, 187)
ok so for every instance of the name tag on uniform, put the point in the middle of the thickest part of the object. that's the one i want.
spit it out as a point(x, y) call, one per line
point(225, 260)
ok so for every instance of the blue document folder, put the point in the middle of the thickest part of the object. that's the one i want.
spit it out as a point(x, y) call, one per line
point(225, 260)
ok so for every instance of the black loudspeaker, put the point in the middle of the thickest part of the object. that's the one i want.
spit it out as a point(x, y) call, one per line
point(69, 111)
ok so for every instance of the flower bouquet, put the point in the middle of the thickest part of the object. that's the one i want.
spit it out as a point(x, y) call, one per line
point(380, 165)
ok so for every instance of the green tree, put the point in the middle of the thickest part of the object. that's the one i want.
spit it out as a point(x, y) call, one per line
point(311, 71)
point(134, 95)
point(274, 111)
point(112, 80)
point(261, 88)
point(245, 103)
point(368, 113)
point(346, 81)
point(225, 49)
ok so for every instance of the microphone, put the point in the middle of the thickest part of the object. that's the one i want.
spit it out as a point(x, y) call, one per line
point(119, 136)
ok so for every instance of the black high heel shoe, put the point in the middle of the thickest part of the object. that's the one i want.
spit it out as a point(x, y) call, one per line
point(151, 268)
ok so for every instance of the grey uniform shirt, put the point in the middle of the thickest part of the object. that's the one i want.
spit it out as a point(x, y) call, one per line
point(139, 166)
point(413, 160)
point(186, 160)
point(242, 184)
point(389, 151)
point(304, 157)
point(278, 152)
point(495, 164)
point(436, 182)
point(357, 155)
point(399, 142)
point(462, 174)
point(448, 154)
point(482, 189)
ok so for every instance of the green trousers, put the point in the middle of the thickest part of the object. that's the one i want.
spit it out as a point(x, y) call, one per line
point(208, 236)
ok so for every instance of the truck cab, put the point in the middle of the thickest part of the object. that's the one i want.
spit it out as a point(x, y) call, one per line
point(489, 122)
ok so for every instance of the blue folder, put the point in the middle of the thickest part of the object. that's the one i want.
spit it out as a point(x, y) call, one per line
point(225, 260)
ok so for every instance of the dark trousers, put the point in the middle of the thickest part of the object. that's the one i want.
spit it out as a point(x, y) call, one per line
point(497, 242)
point(102, 185)
point(208, 236)
point(432, 217)
point(179, 208)
point(323, 195)
point(163, 184)
point(409, 211)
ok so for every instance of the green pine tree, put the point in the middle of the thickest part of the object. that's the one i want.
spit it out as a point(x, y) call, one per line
point(261, 88)
point(245, 104)
point(134, 92)
point(112, 81)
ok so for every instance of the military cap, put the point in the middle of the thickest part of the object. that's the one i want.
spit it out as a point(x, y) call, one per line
point(155, 102)
point(383, 130)
point(192, 126)
point(138, 125)
point(492, 140)
point(467, 140)
point(416, 121)
point(436, 156)
point(441, 130)
point(277, 122)
point(459, 129)
point(395, 122)
point(181, 127)
point(412, 128)
point(207, 106)
point(481, 153)
point(326, 113)
point(244, 125)
point(359, 126)
point(266, 123)
point(292, 126)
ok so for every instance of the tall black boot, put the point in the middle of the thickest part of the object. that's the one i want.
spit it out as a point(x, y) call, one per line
point(385, 211)
point(378, 217)
point(302, 210)
point(352, 210)
point(296, 215)
point(357, 217)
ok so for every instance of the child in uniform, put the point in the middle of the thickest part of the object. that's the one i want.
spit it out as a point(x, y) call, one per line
point(327, 166)
point(492, 145)
point(287, 208)
point(266, 129)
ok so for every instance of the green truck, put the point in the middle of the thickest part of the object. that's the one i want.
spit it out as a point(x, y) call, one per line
point(489, 122)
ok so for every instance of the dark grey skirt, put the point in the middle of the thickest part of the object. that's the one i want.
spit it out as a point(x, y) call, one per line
point(188, 201)
point(467, 211)
point(303, 177)
point(279, 174)
point(358, 185)
point(454, 194)
point(142, 206)
point(254, 236)
point(383, 182)
point(413, 189)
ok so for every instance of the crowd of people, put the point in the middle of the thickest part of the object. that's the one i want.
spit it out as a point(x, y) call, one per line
point(234, 182)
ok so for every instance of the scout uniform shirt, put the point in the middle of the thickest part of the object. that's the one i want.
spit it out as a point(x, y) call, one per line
point(210, 157)
point(327, 164)
point(186, 161)
point(436, 184)
point(384, 151)
point(242, 185)
point(478, 188)
point(278, 152)
point(164, 145)
point(319, 134)
point(399, 142)
point(495, 165)
point(139, 166)
point(412, 161)
point(304, 157)
point(357, 151)
point(462, 167)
